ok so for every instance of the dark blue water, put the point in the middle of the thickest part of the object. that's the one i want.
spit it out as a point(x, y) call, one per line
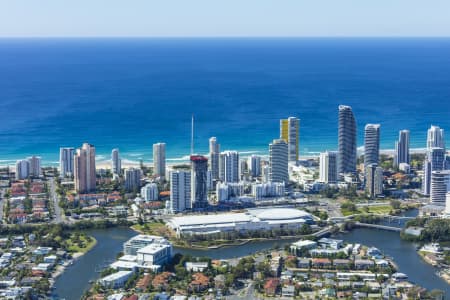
point(131, 93)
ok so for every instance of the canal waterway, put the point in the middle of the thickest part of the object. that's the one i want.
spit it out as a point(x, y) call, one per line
point(75, 280)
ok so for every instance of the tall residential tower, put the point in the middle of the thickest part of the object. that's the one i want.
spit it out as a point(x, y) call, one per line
point(159, 159)
point(402, 149)
point(371, 144)
point(346, 140)
point(278, 161)
point(290, 132)
point(84, 169)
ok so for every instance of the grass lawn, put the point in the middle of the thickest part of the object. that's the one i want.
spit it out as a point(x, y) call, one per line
point(382, 209)
point(83, 245)
point(153, 228)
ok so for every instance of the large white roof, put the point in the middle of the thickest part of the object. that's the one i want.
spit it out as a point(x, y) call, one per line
point(279, 214)
point(211, 219)
point(253, 215)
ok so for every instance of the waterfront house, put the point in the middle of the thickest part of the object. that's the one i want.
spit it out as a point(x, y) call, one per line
point(331, 243)
point(271, 286)
point(301, 247)
point(375, 253)
point(382, 263)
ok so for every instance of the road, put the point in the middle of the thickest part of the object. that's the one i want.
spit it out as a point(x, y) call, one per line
point(57, 212)
point(2, 202)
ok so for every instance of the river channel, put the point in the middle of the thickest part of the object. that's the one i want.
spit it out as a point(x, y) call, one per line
point(75, 280)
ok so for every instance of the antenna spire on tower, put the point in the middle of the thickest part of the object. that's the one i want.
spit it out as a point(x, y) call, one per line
point(192, 135)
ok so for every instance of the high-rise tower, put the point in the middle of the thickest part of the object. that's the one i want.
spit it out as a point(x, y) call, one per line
point(84, 169)
point(290, 132)
point(402, 148)
point(278, 161)
point(371, 144)
point(346, 140)
point(159, 159)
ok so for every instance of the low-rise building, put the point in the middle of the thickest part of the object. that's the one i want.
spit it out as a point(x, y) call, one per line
point(196, 266)
point(116, 280)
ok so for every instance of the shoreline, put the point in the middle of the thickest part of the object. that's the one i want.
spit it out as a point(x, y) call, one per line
point(60, 269)
point(103, 162)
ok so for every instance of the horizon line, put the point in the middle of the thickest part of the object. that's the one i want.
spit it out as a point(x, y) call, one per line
point(230, 37)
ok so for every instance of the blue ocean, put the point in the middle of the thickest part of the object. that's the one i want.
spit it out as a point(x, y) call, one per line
point(131, 93)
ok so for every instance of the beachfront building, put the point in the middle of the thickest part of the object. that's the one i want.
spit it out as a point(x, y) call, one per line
point(180, 191)
point(66, 156)
point(150, 192)
point(401, 154)
point(214, 153)
point(159, 160)
point(22, 169)
point(371, 144)
point(199, 178)
point(290, 133)
point(435, 138)
point(132, 179)
point(346, 140)
point(253, 219)
point(84, 169)
point(278, 161)
point(229, 166)
point(328, 167)
point(116, 163)
point(35, 166)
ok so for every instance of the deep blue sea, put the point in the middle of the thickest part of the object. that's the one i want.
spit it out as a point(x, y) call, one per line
point(131, 93)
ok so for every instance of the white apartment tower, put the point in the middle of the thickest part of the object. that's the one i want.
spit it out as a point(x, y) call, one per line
point(328, 167)
point(159, 159)
point(22, 169)
point(66, 155)
point(278, 161)
point(214, 153)
point(229, 166)
point(371, 144)
point(180, 191)
point(116, 163)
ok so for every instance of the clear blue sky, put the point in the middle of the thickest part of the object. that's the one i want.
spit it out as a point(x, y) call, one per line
point(185, 18)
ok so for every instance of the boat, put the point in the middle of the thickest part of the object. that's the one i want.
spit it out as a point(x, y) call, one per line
point(399, 276)
point(432, 248)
